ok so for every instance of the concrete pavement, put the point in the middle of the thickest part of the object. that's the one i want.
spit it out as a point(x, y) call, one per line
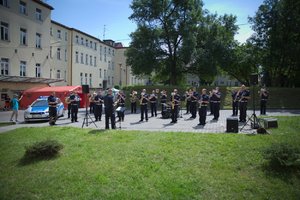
point(185, 124)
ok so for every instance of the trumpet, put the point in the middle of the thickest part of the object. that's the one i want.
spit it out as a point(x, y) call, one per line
point(142, 97)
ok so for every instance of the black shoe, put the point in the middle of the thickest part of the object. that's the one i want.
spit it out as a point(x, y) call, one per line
point(76, 121)
point(146, 120)
point(141, 120)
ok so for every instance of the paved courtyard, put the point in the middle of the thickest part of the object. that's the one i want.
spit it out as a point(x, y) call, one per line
point(185, 124)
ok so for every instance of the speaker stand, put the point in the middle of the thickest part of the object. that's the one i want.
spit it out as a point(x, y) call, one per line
point(87, 116)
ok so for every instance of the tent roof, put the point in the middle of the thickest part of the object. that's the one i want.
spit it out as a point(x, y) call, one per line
point(55, 89)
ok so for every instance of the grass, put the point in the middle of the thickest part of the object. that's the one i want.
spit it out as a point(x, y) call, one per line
point(6, 123)
point(97, 164)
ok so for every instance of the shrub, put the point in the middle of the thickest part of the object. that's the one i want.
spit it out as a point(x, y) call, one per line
point(43, 149)
point(282, 156)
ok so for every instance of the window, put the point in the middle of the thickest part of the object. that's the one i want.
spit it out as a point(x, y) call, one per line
point(4, 3)
point(108, 64)
point(81, 79)
point(81, 58)
point(95, 61)
point(38, 40)
point(91, 44)
point(50, 51)
point(51, 31)
point(108, 51)
point(77, 39)
point(112, 66)
point(4, 66)
point(90, 80)
point(37, 70)
point(77, 57)
point(59, 34)
point(95, 46)
point(22, 68)
point(82, 41)
point(65, 75)
point(58, 54)
point(50, 73)
point(104, 57)
point(86, 78)
point(23, 36)
point(22, 7)
point(58, 74)
point(113, 52)
point(105, 74)
point(66, 54)
point(86, 59)
point(100, 73)
point(91, 60)
point(86, 43)
point(4, 31)
point(38, 14)
point(100, 52)
point(66, 36)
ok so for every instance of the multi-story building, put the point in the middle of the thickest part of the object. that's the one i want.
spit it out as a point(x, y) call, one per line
point(36, 51)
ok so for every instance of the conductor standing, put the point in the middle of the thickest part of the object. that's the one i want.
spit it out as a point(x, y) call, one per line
point(109, 110)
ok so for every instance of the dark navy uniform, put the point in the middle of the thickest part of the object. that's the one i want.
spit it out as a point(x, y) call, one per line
point(52, 102)
point(133, 100)
point(163, 101)
point(235, 103)
point(153, 104)
point(98, 105)
point(74, 99)
point(243, 104)
point(216, 100)
point(204, 99)
point(109, 111)
point(188, 103)
point(193, 106)
point(263, 102)
point(175, 100)
point(144, 109)
point(121, 103)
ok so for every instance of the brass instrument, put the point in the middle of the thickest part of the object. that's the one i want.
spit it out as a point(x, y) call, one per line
point(200, 102)
point(67, 100)
point(142, 98)
point(173, 100)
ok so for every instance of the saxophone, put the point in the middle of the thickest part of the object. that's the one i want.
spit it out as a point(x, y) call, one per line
point(142, 98)
point(173, 101)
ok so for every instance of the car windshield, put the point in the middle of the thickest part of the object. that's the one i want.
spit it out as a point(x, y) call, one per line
point(40, 103)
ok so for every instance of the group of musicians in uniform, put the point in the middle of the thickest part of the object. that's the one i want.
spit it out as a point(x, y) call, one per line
point(170, 106)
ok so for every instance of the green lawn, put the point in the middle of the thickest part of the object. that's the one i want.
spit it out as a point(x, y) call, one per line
point(146, 165)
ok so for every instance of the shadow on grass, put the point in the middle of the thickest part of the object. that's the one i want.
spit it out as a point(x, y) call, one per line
point(285, 174)
point(96, 131)
point(25, 160)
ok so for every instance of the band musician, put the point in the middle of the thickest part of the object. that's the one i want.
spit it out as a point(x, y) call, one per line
point(203, 102)
point(74, 101)
point(153, 103)
point(193, 95)
point(163, 101)
point(235, 102)
point(121, 105)
point(109, 110)
point(98, 101)
point(216, 100)
point(52, 103)
point(67, 101)
point(188, 101)
point(175, 102)
point(144, 98)
point(264, 95)
point(133, 100)
point(243, 96)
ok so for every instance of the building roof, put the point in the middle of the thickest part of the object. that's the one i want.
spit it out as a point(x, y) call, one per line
point(23, 79)
point(44, 4)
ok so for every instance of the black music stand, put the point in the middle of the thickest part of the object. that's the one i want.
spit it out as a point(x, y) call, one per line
point(87, 116)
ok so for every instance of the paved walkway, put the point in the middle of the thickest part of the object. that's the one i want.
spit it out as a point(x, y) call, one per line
point(154, 123)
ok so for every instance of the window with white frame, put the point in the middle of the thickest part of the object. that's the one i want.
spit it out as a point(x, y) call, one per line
point(108, 64)
point(22, 7)
point(65, 75)
point(91, 80)
point(4, 66)
point(4, 31)
point(87, 43)
point(59, 34)
point(38, 40)
point(81, 58)
point(95, 46)
point(86, 59)
point(86, 78)
point(58, 74)
point(77, 39)
point(22, 68)
point(91, 44)
point(23, 36)
point(95, 61)
point(82, 41)
point(66, 36)
point(100, 73)
point(66, 54)
point(4, 3)
point(37, 70)
point(100, 52)
point(50, 51)
point(58, 54)
point(91, 60)
point(81, 79)
point(38, 14)
point(77, 57)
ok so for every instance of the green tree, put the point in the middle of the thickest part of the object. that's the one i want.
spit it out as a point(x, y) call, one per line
point(164, 40)
point(277, 35)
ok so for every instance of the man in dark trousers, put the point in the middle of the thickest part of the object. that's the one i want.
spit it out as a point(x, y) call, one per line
point(144, 105)
point(153, 104)
point(244, 96)
point(98, 101)
point(175, 101)
point(121, 98)
point(193, 105)
point(216, 100)
point(235, 102)
point(264, 95)
point(163, 101)
point(52, 102)
point(109, 110)
point(74, 101)
point(203, 102)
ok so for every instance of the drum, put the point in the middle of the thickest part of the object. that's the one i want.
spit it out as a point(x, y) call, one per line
point(120, 109)
point(166, 114)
